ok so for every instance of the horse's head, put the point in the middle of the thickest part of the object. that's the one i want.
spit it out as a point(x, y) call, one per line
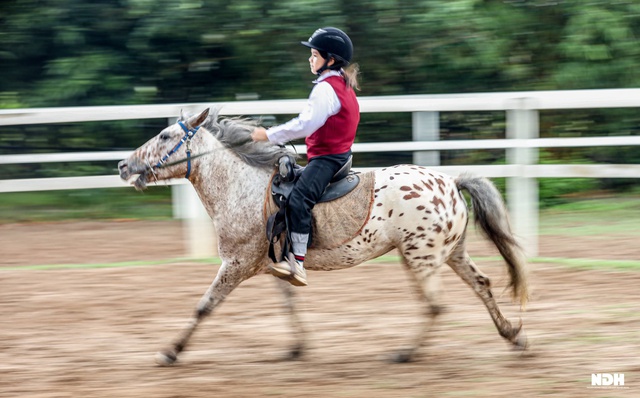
point(164, 156)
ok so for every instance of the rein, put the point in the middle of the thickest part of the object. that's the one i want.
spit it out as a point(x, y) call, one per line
point(165, 165)
point(188, 135)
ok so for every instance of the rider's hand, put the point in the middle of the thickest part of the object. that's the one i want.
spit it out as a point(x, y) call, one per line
point(259, 134)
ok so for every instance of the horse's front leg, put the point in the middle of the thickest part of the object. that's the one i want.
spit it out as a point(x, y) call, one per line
point(227, 279)
point(299, 333)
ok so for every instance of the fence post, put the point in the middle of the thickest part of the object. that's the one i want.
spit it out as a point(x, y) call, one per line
point(522, 190)
point(199, 234)
point(198, 229)
point(426, 127)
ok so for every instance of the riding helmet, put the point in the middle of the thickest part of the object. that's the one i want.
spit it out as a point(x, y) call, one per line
point(331, 42)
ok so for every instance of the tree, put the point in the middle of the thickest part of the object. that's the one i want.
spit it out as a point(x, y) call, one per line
point(115, 52)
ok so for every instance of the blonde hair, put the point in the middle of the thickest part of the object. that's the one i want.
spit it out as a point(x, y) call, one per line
point(350, 74)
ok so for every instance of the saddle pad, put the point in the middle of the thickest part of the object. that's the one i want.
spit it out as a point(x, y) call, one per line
point(338, 221)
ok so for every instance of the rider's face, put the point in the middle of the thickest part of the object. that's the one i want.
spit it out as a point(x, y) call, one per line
point(316, 61)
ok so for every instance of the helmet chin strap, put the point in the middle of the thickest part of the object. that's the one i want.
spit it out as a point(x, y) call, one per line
point(324, 67)
point(337, 64)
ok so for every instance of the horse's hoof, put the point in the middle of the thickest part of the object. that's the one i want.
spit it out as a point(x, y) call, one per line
point(295, 353)
point(166, 358)
point(402, 356)
point(520, 342)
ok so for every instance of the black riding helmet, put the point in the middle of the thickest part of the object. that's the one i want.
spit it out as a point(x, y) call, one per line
point(331, 42)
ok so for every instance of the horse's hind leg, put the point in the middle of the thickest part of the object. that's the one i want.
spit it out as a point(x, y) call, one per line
point(298, 331)
point(427, 283)
point(464, 266)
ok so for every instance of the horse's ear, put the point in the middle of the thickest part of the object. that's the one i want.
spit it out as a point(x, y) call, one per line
point(196, 121)
point(183, 117)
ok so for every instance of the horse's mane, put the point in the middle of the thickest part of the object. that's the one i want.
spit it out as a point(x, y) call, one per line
point(235, 134)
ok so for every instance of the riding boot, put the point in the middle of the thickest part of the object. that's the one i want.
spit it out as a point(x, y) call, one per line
point(290, 270)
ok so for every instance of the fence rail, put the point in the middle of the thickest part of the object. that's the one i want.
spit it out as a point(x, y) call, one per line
point(522, 143)
point(525, 100)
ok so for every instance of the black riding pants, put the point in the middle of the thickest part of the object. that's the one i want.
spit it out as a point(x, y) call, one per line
point(309, 188)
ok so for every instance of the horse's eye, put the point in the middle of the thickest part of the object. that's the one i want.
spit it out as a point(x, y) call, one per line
point(165, 136)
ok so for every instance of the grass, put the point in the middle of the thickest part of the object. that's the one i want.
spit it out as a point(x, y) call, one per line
point(620, 215)
point(37, 267)
point(612, 265)
point(110, 203)
point(592, 217)
point(588, 263)
point(584, 263)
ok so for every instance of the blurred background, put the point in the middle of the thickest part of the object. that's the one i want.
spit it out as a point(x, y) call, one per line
point(584, 315)
point(68, 53)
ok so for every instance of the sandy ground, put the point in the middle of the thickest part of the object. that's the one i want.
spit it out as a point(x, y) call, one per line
point(94, 332)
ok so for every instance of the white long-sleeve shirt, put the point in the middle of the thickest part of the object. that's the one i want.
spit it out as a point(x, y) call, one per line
point(322, 104)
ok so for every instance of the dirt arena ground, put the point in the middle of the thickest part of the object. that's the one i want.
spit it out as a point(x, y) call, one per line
point(93, 332)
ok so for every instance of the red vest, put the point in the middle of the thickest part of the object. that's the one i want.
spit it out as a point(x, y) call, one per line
point(338, 132)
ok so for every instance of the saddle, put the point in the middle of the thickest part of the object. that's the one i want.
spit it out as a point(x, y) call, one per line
point(343, 182)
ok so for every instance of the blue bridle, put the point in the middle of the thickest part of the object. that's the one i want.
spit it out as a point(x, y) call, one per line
point(188, 135)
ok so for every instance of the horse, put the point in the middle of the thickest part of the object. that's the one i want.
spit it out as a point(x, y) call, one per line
point(420, 213)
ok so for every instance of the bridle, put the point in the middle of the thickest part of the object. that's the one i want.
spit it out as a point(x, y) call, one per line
point(189, 133)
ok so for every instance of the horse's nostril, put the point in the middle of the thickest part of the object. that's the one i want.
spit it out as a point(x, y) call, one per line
point(122, 164)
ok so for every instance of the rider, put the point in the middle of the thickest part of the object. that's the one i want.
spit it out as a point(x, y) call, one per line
point(328, 123)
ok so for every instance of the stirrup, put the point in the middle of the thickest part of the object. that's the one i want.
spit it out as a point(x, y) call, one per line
point(290, 270)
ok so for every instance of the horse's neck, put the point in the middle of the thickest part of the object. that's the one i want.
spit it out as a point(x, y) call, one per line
point(226, 185)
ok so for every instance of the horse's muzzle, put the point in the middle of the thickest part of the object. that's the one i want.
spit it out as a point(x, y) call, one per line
point(128, 169)
point(124, 170)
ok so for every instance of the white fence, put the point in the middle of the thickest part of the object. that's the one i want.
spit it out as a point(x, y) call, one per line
point(522, 144)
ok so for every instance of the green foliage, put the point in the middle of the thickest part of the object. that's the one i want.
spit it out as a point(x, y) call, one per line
point(112, 203)
point(109, 51)
point(593, 216)
point(114, 52)
point(554, 191)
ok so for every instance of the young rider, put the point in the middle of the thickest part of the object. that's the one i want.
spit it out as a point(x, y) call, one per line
point(328, 123)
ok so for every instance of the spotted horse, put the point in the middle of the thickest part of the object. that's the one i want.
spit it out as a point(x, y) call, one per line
point(420, 213)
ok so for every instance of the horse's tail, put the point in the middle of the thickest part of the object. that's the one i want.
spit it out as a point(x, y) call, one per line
point(492, 217)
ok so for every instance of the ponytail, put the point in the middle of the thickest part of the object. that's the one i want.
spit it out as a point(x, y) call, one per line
point(350, 74)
